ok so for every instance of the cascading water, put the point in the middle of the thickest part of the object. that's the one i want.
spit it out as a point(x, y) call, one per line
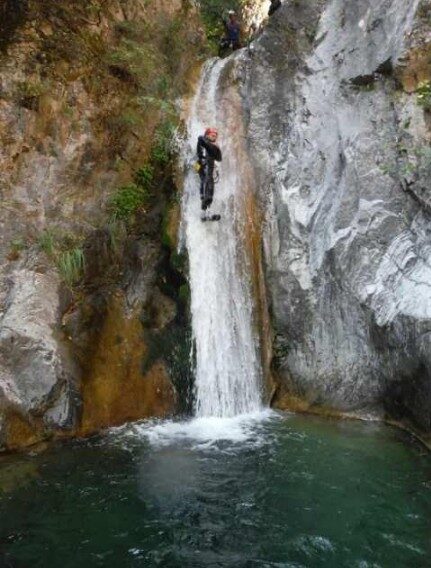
point(228, 369)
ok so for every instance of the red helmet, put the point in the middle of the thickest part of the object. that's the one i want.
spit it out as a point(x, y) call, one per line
point(211, 131)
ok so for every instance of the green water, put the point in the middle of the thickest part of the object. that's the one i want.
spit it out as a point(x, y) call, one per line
point(284, 492)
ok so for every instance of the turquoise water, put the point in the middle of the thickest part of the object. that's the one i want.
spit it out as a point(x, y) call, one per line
point(286, 491)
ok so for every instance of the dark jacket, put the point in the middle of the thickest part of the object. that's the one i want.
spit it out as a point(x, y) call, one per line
point(275, 5)
point(208, 152)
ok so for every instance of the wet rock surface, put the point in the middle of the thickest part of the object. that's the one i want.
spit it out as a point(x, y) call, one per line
point(341, 149)
point(38, 381)
point(81, 293)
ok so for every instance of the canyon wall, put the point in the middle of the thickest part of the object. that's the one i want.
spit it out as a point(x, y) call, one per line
point(90, 282)
point(336, 102)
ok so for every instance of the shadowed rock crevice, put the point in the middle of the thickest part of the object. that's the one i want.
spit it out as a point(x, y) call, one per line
point(12, 14)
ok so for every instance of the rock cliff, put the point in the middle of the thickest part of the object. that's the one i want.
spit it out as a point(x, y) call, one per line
point(90, 283)
point(337, 100)
point(334, 97)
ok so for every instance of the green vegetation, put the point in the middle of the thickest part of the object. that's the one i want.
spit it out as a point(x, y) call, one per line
point(184, 293)
point(127, 201)
point(65, 250)
point(29, 92)
point(213, 11)
point(134, 197)
point(162, 149)
point(423, 95)
point(144, 176)
point(17, 244)
point(133, 76)
point(70, 265)
point(47, 242)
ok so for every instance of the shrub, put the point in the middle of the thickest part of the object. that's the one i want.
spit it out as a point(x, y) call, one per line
point(127, 201)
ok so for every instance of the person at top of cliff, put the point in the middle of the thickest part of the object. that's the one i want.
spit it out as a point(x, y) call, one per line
point(275, 5)
point(232, 38)
point(208, 153)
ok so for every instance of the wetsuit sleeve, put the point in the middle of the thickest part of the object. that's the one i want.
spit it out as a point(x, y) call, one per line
point(200, 148)
point(213, 150)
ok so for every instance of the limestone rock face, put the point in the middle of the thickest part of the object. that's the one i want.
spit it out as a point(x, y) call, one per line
point(37, 378)
point(342, 155)
point(79, 112)
point(29, 358)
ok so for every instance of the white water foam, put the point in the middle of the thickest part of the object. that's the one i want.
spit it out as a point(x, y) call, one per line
point(199, 433)
point(228, 369)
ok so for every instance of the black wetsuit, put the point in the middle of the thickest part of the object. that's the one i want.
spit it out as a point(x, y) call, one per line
point(208, 153)
point(275, 5)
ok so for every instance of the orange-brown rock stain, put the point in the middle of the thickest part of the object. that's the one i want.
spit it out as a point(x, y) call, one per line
point(416, 68)
point(251, 228)
point(173, 220)
point(20, 433)
point(114, 389)
point(253, 239)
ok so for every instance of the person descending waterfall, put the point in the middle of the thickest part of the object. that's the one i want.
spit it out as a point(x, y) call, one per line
point(232, 38)
point(275, 5)
point(208, 153)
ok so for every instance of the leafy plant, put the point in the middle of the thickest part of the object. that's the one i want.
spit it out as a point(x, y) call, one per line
point(423, 95)
point(127, 201)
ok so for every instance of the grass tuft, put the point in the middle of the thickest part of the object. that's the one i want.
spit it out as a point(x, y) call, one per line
point(70, 265)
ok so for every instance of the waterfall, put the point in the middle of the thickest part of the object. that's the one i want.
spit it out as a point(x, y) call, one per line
point(228, 369)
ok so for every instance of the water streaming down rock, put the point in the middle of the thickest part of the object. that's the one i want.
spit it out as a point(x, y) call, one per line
point(228, 368)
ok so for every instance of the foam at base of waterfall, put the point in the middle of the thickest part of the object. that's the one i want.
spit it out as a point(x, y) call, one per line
point(199, 432)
